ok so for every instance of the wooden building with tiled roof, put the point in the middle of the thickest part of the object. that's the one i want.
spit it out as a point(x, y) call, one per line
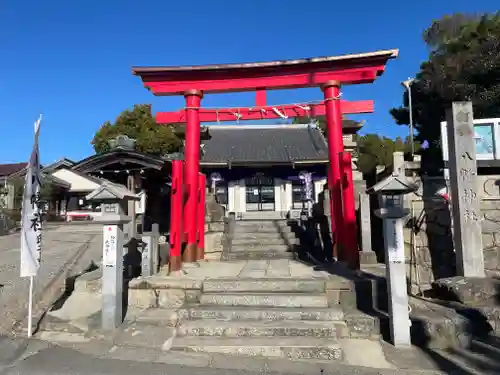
point(258, 166)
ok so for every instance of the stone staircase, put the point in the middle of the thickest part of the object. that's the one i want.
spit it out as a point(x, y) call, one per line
point(284, 318)
point(261, 239)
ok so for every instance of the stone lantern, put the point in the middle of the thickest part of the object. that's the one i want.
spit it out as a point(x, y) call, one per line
point(392, 191)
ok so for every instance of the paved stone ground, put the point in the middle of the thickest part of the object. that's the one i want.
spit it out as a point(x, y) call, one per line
point(141, 341)
point(279, 268)
point(32, 357)
point(147, 335)
point(63, 247)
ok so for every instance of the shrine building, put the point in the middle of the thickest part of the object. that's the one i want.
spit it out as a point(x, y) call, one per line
point(255, 168)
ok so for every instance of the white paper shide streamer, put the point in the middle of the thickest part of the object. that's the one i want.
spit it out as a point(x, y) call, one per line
point(306, 178)
point(31, 223)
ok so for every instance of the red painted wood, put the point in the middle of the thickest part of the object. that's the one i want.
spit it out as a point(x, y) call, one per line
point(202, 184)
point(335, 147)
point(238, 82)
point(291, 110)
point(260, 98)
point(177, 198)
point(350, 235)
point(192, 165)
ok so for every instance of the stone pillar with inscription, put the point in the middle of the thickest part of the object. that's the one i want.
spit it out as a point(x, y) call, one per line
point(114, 199)
point(149, 261)
point(467, 236)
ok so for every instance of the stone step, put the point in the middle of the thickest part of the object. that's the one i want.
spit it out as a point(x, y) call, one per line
point(258, 236)
point(284, 328)
point(262, 222)
point(277, 347)
point(252, 242)
point(265, 231)
point(229, 313)
point(264, 299)
point(262, 247)
point(262, 228)
point(258, 255)
point(264, 285)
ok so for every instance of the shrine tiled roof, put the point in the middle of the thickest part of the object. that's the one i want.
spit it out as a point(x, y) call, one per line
point(267, 144)
point(9, 169)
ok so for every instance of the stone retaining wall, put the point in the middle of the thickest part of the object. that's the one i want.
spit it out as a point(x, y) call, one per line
point(432, 243)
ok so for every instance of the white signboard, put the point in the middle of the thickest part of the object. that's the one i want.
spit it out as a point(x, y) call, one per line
point(486, 136)
point(31, 218)
point(110, 233)
point(394, 235)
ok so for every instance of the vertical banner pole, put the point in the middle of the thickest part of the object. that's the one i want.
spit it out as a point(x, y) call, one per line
point(31, 223)
point(30, 308)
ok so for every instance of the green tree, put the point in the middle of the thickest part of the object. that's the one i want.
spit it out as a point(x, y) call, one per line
point(464, 64)
point(374, 151)
point(46, 191)
point(139, 124)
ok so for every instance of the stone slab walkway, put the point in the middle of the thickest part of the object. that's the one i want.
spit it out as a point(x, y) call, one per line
point(142, 342)
point(279, 268)
point(60, 251)
point(34, 357)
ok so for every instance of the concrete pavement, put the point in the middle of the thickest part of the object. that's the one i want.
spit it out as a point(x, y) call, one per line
point(39, 358)
point(66, 252)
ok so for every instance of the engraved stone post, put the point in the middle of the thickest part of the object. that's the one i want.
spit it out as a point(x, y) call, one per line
point(467, 235)
point(155, 229)
point(112, 276)
point(150, 253)
point(147, 254)
point(365, 221)
point(113, 199)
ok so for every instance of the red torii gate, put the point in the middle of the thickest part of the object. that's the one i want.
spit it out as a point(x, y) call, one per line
point(326, 72)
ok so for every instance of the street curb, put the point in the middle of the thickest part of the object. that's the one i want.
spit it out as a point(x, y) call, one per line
point(43, 300)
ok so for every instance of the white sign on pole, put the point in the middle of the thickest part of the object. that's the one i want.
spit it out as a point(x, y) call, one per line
point(394, 235)
point(110, 245)
point(31, 223)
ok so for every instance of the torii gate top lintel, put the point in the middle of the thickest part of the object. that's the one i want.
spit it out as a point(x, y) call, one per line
point(284, 74)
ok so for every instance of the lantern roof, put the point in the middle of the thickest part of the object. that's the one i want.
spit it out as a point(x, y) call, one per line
point(395, 184)
point(109, 191)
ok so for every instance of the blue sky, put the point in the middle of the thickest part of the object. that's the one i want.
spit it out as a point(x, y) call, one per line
point(71, 59)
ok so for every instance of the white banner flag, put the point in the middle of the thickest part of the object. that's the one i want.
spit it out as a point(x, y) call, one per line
point(31, 220)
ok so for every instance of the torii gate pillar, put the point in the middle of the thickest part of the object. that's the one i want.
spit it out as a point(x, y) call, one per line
point(192, 168)
point(331, 92)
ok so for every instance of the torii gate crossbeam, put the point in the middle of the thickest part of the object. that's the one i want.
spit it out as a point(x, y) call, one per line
point(264, 112)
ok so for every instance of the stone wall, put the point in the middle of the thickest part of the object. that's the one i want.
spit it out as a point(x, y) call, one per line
point(428, 236)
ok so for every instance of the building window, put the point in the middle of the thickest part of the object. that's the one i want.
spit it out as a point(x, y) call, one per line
point(260, 193)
